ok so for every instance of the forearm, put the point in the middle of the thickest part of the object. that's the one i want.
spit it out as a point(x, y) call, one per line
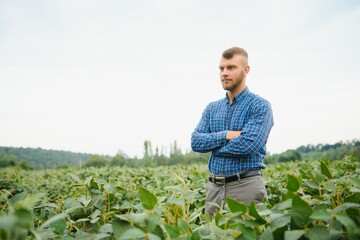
point(241, 145)
point(206, 142)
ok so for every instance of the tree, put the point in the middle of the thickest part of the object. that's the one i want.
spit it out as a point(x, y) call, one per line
point(24, 165)
point(175, 149)
point(148, 159)
point(63, 165)
point(159, 158)
point(96, 161)
point(355, 152)
point(118, 160)
point(7, 161)
point(147, 149)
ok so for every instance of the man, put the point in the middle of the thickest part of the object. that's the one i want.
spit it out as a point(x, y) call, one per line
point(235, 129)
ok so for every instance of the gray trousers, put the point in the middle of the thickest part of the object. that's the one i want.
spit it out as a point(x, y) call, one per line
point(246, 190)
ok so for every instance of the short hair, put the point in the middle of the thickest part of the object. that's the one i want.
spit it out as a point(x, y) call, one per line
point(229, 53)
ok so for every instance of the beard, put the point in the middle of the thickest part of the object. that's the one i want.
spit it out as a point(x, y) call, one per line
point(233, 85)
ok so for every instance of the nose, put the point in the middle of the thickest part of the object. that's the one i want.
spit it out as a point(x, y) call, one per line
point(224, 73)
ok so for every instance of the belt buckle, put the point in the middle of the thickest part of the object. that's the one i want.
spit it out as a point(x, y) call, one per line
point(220, 180)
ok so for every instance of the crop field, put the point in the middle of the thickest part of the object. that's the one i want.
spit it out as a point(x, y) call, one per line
point(306, 200)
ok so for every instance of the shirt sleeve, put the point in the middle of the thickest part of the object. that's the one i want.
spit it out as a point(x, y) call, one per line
point(202, 139)
point(254, 135)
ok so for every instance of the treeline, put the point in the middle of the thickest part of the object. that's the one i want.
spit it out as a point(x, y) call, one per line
point(31, 158)
point(313, 152)
point(38, 158)
point(318, 152)
point(151, 158)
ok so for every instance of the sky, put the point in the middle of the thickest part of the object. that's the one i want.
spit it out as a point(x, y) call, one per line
point(104, 76)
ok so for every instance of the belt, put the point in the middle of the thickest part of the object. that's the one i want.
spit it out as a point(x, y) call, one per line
point(222, 179)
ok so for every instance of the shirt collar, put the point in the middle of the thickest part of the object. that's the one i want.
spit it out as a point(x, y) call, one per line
point(239, 96)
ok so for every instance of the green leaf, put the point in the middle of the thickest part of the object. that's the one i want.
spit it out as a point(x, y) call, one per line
point(318, 233)
point(125, 205)
point(312, 184)
point(74, 177)
point(218, 216)
point(330, 187)
point(151, 221)
point(325, 170)
point(133, 233)
point(321, 213)
point(176, 201)
point(9, 229)
point(53, 219)
point(283, 205)
point(304, 174)
point(344, 207)
point(18, 197)
point(136, 219)
point(6, 224)
point(147, 198)
point(279, 220)
point(355, 198)
point(152, 236)
point(172, 230)
point(201, 232)
point(58, 226)
point(267, 235)
point(95, 214)
point(336, 234)
point(183, 226)
point(350, 226)
point(319, 177)
point(254, 213)
point(301, 211)
point(235, 206)
point(293, 184)
point(248, 233)
point(24, 218)
point(119, 227)
point(294, 234)
point(34, 233)
point(88, 180)
point(106, 228)
point(354, 180)
point(30, 201)
point(109, 188)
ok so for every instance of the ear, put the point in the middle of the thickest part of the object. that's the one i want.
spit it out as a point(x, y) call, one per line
point(247, 69)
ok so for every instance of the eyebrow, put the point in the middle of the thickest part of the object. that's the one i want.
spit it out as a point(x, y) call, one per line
point(231, 65)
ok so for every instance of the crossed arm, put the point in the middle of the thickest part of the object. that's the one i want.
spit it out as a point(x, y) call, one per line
point(249, 140)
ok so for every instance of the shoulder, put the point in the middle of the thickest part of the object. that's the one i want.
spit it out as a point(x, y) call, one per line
point(216, 104)
point(258, 101)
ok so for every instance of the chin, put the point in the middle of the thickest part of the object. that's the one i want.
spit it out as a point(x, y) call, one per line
point(228, 88)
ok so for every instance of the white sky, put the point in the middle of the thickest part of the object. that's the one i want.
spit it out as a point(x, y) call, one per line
point(99, 76)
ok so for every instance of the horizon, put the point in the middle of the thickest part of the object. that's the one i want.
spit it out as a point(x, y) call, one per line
point(182, 151)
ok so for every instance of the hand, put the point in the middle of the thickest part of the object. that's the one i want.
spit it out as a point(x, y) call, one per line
point(232, 134)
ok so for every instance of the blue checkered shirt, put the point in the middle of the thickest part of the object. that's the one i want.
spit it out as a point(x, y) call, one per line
point(248, 113)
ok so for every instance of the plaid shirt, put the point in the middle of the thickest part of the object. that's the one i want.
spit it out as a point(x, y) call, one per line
point(248, 113)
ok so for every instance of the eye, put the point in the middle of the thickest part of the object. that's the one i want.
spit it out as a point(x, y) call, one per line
point(221, 69)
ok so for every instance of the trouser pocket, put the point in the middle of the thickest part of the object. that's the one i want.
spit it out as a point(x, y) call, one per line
point(247, 190)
